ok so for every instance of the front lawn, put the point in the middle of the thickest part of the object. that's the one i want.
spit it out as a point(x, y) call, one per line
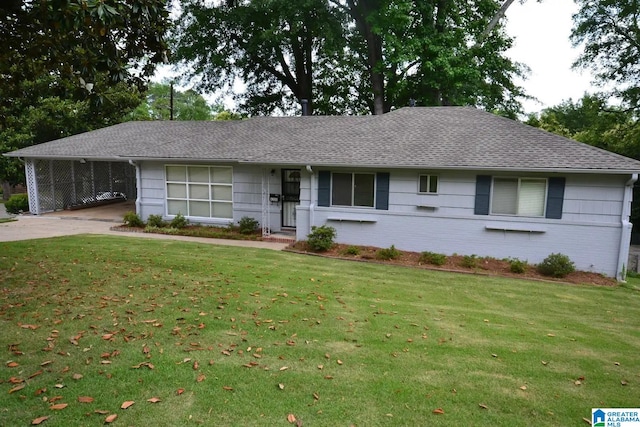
point(197, 334)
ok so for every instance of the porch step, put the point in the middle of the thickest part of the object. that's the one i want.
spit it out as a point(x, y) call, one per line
point(280, 238)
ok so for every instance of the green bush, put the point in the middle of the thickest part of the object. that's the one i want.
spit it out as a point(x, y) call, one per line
point(17, 203)
point(351, 250)
point(156, 221)
point(556, 265)
point(518, 266)
point(433, 258)
point(247, 225)
point(470, 261)
point(132, 219)
point(388, 253)
point(321, 238)
point(179, 221)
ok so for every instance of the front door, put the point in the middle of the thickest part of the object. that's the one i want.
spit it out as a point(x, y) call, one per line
point(290, 196)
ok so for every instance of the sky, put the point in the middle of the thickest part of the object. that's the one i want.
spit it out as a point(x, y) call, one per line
point(541, 32)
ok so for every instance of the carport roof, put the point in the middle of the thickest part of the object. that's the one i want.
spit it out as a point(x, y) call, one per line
point(419, 137)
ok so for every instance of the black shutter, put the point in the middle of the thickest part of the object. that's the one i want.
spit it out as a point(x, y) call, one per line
point(382, 191)
point(555, 197)
point(483, 194)
point(324, 188)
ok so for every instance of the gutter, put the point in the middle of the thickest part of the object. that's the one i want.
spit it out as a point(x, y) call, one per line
point(625, 232)
point(138, 185)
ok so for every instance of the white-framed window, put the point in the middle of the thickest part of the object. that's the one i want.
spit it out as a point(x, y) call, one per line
point(519, 196)
point(353, 189)
point(199, 191)
point(428, 184)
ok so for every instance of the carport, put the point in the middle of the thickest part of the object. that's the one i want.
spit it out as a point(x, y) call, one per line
point(59, 184)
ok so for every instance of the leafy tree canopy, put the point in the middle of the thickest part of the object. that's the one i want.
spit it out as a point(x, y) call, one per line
point(187, 105)
point(609, 31)
point(351, 56)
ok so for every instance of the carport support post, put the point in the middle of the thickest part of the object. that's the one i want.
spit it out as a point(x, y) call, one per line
point(32, 186)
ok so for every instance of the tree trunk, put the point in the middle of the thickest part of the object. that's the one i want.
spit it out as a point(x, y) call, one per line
point(6, 190)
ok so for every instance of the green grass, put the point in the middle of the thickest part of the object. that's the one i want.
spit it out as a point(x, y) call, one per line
point(335, 343)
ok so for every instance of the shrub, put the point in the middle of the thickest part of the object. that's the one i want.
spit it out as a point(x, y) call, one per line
point(132, 219)
point(351, 250)
point(156, 221)
point(469, 261)
point(17, 203)
point(517, 266)
point(321, 238)
point(388, 253)
point(433, 258)
point(556, 265)
point(247, 225)
point(179, 221)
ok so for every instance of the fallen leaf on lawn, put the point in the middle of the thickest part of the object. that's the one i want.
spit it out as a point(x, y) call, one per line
point(551, 335)
point(544, 363)
point(59, 386)
point(46, 362)
point(55, 399)
point(586, 420)
point(127, 404)
point(226, 387)
point(316, 396)
point(281, 386)
point(77, 376)
point(85, 399)
point(39, 391)
point(201, 378)
point(339, 362)
point(179, 391)
point(483, 406)
point(438, 411)
point(284, 368)
point(39, 420)
point(291, 418)
point(35, 374)
point(577, 382)
point(14, 380)
point(321, 367)
point(111, 418)
point(13, 364)
point(100, 412)
point(328, 377)
point(32, 327)
point(154, 400)
point(107, 336)
point(196, 365)
point(17, 388)
point(58, 406)
point(524, 387)
point(623, 382)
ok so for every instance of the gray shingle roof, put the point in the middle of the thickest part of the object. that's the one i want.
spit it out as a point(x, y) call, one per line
point(420, 137)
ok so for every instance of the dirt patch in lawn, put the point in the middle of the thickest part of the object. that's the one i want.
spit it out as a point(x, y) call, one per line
point(454, 263)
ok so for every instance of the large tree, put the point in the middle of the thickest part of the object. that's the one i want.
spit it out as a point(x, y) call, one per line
point(352, 56)
point(79, 61)
point(610, 34)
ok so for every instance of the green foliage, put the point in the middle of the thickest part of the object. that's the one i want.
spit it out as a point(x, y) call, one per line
point(351, 250)
point(469, 261)
point(358, 56)
point(156, 221)
point(248, 225)
point(518, 266)
point(321, 238)
point(433, 258)
point(556, 265)
point(388, 253)
point(179, 221)
point(608, 32)
point(17, 203)
point(132, 219)
point(187, 105)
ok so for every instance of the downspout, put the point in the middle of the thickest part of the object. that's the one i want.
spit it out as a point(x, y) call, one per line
point(625, 233)
point(138, 184)
point(312, 196)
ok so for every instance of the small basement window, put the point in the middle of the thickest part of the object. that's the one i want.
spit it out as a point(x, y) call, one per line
point(428, 184)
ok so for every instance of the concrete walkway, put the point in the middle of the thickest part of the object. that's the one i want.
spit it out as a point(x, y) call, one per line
point(28, 227)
